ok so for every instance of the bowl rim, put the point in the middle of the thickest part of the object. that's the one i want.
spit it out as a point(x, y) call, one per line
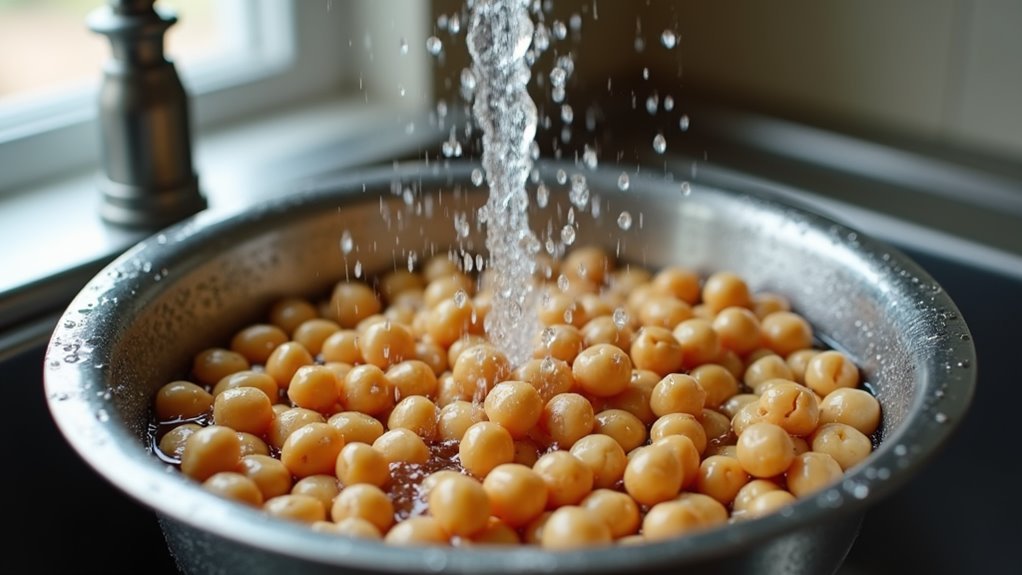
point(77, 399)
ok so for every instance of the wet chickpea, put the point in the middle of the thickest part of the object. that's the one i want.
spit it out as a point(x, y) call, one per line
point(365, 502)
point(602, 370)
point(313, 332)
point(765, 450)
point(514, 405)
point(402, 445)
point(516, 493)
point(351, 302)
point(680, 424)
point(847, 445)
point(621, 426)
point(352, 527)
point(717, 382)
point(716, 426)
point(387, 343)
point(685, 452)
point(548, 375)
point(626, 279)
point(746, 416)
point(412, 377)
point(314, 387)
point(725, 289)
point(559, 341)
point(559, 308)
point(464, 342)
point(342, 346)
point(735, 403)
point(800, 445)
point(367, 389)
point(356, 426)
point(604, 329)
point(738, 329)
point(455, 418)
point(721, 477)
point(766, 368)
point(496, 532)
point(405, 312)
point(730, 361)
point(479, 368)
point(567, 478)
point(361, 463)
point(398, 281)
point(618, 510)
point(729, 450)
point(573, 527)
point(445, 288)
point(432, 355)
point(590, 263)
point(417, 531)
point(440, 265)
point(635, 398)
point(677, 393)
point(678, 282)
point(182, 400)
point(654, 474)
point(286, 422)
point(798, 361)
point(786, 332)
point(321, 487)
point(211, 450)
point(828, 371)
point(244, 409)
point(213, 364)
point(791, 406)
point(285, 361)
point(485, 445)
point(566, 418)
point(699, 342)
point(231, 485)
point(289, 313)
point(448, 391)
point(526, 452)
point(247, 378)
point(269, 474)
point(172, 444)
point(664, 311)
point(766, 303)
point(417, 414)
point(460, 505)
point(257, 342)
point(854, 407)
point(810, 472)
point(312, 449)
point(768, 503)
point(656, 349)
point(301, 508)
point(603, 456)
point(252, 445)
point(751, 491)
point(635, 299)
point(594, 306)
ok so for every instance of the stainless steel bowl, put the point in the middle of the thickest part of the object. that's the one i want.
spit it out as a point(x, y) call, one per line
point(137, 324)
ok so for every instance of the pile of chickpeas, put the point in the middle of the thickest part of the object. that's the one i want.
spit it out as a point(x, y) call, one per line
point(654, 405)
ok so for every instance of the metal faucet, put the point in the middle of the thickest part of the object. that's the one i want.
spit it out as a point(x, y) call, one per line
point(148, 180)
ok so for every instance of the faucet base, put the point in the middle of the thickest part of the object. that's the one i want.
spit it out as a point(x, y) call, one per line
point(147, 208)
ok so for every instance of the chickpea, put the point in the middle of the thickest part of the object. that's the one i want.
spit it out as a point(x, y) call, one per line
point(526, 452)
point(654, 474)
point(289, 313)
point(323, 488)
point(685, 452)
point(357, 427)
point(738, 329)
point(212, 365)
point(717, 382)
point(343, 346)
point(603, 456)
point(361, 463)
point(484, 446)
point(432, 355)
point(412, 377)
point(635, 398)
point(258, 380)
point(415, 413)
point(456, 417)
point(766, 303)
point(313, 332)
point(603, 329)
point(446, 288)
point(288, 422)
point(415, 531)
point(367, 389)
point(301, 508)
point(351, 302)
point(699, 342)
point(231, 485)
point(559, 308)
point(182, 400)
point(730, 361)
point(572, 527)
point(448, 321)
point(314, 387)
point(211, 450)
point(847, 445)
point(516, 493)
point(285, 361)
point(460, 505)
point(670, 519)
point(270, 476)
point(768, 503)
point(566, 418)
point(559, 341)
point(440, 265)
point(479, 368)
point(677, 393)
point(737, 402)
point(625, 280)
point(618, 510)
point(751, 491)
point(786, 332)
point(716, 426)
point(172, 444)
point(548, 375)
point(402, 445)
point(678, 282)
point(810, 472)
point(594, 306)
point(725, 289)
point(680, 424)
point(365, 502)
point(798, 361)
point(623, 427)
point(533, 532)
point(828, 371)
point(387, 343)
point(398, 281)
point(351, 527)
point(854, 407)
point(721, 477)
point(515, 405)
point(567, 478)
point(789, 405)
point(664, 311)
point(656, 349)
point(496, 532)
point(589, 263)
point(764, 369)
point(602, 370)
point(312, 449)
point(765, 450)
point(464, 342)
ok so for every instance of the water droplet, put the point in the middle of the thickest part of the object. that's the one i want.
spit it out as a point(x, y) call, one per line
point(659, 144)
point(860, 491)
point(468, 82)
point(562, 177)
point(652, 103)
point(622, 182)
point(358, 269)
point(669, 39)
point(963, 363)
point(620, 317)
point(579, 194)
point(69, 324)
point(557, 77)
point(562, 282)
point(624, 221)
point(645, 73)
point(589, 158)
point(454, 24)
point(559, 29)
point(668, 103)
point(477, 177)
point(460, 297)
point(575, 22)
point(940, 417)
point(568, 235)
point(900, 450)
point(404, 46)
point(569, 315)
point(567, 114)
point(683, 123)
point(686, 189)
point(102, 415)
point(542, 196)
point(434, 46)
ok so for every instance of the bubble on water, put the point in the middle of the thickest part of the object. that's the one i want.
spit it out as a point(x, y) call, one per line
point(623, 182)
point(434, 46)
point(686, 189)
point(669, 39)
point(659, 144)
point(579, 194)
point(568, 235)
point(683, 122)
point(404, 46)
point(624, 220)
point(589, 158)
point(668, 103)
point(542, 195)
point(561, 176)
point(347, 243)
point(620, 317)
point(559, 29)
point(652, 103)
point(477, 177)
point(567, 114)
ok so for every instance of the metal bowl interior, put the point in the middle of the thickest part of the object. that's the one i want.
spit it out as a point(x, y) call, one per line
point(138, 323)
